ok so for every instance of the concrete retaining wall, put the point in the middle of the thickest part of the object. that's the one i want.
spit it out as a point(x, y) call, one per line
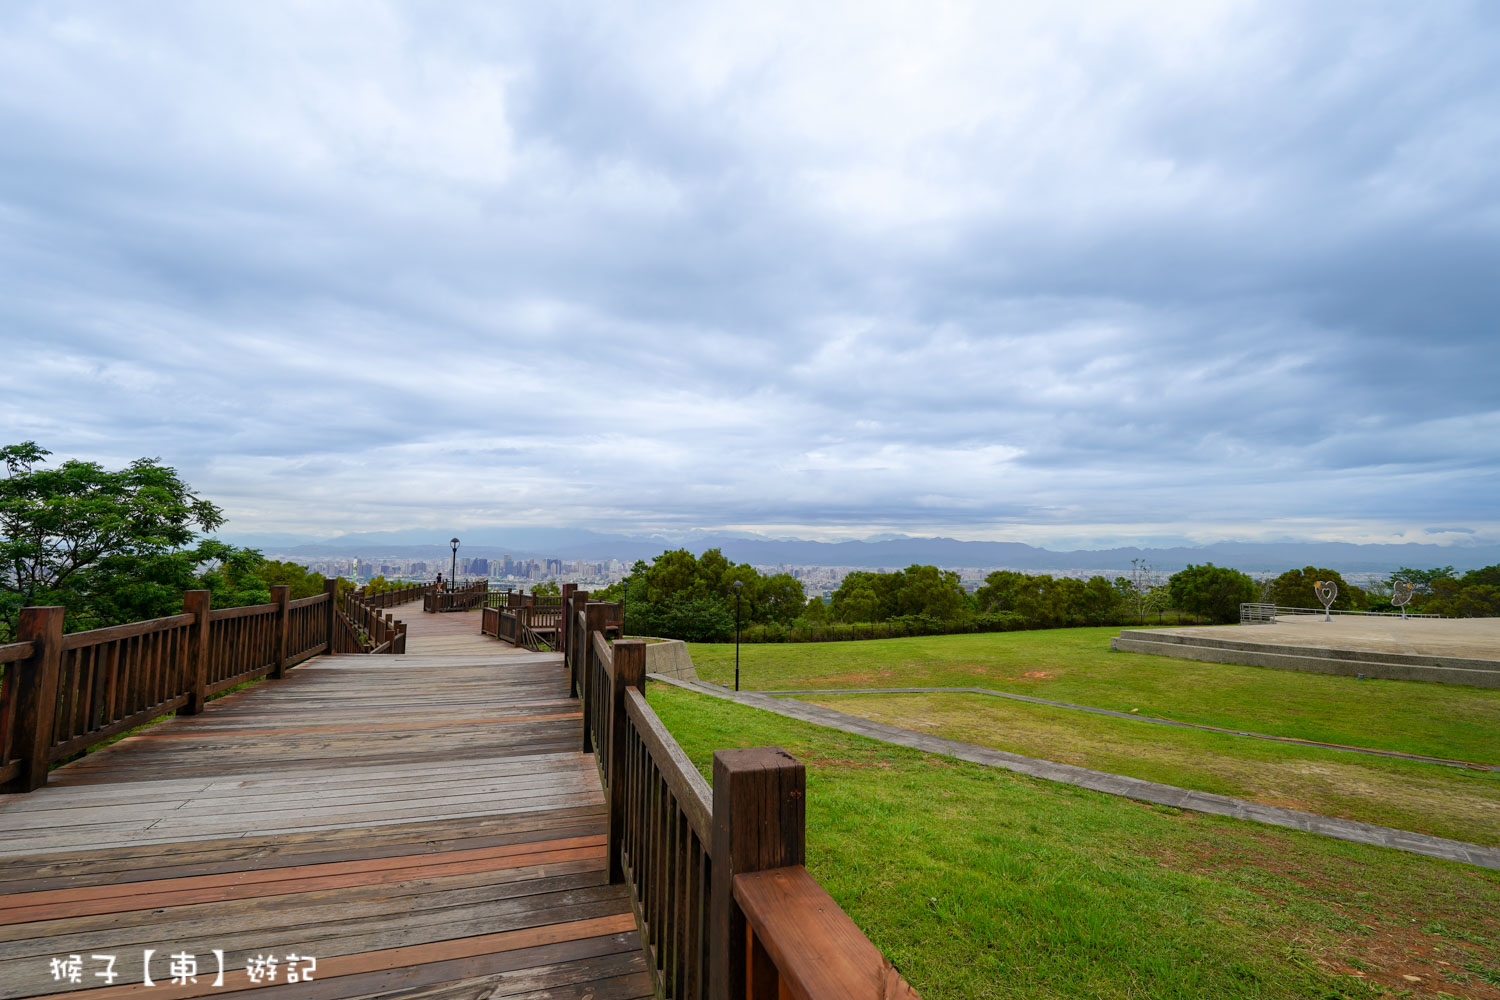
point(670, 658)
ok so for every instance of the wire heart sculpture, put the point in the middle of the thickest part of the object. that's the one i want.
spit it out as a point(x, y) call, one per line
point(1327, 591)
point(1401, 591)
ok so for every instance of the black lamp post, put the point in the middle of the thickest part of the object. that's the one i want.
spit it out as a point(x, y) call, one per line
point(453, 566)
point(739, 585)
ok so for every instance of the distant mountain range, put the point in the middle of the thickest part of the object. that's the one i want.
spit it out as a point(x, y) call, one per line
point(886, 551)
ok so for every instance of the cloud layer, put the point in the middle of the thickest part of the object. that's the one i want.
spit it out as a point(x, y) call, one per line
point(1051, 272)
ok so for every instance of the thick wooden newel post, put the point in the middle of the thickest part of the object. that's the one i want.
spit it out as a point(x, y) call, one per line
point(587, 660)
point(331, 591)
point(759, 822)
point(36, 694)
point(281, 594)
point(196, 603)
point(630, 672)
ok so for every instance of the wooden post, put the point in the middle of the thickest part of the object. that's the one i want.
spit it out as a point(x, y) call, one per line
point(36, 694)
point(593, 616)
point(630, 672)
point(331, 591)
point(281, 594)
point(401, 637)
point(196, 603)
point(759, 822)
point(568, 589)
point(577, 654)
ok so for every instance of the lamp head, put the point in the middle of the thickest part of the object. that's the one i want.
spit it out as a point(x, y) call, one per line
point(738, 585)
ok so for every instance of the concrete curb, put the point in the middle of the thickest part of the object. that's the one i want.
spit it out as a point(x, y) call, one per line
point(1113, 784)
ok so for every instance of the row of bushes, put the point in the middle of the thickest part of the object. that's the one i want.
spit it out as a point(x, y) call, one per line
point(917, 625)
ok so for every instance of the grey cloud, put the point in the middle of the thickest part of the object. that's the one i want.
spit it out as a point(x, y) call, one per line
point(1223, 268)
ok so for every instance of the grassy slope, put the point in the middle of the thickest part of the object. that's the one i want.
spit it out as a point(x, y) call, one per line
point(981, 883)
point(1076, 665)
point(1428, 798)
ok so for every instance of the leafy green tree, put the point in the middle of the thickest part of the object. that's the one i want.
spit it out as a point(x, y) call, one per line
point(302, 581)
point(859, 603)
point(814, 613)
point(1489, 576)
point(1475, 595)
point(549, 589)
point(1295, 589)
point(103, 543)
point(1421, 580)
point(233, 578)
point(780, 598)
point(1215, 592)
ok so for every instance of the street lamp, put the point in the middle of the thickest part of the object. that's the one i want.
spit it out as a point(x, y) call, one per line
point(453, 566)
point(739, 585)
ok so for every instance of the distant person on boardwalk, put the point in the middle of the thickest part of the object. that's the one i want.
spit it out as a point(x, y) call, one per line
point(440, 581)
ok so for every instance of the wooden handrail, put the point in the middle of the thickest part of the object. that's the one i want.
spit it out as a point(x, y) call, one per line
point(801, 944)
point(725, 908)
point(62, 693)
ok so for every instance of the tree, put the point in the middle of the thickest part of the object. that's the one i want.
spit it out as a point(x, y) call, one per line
point(302, 581)
point(96, 541)
point(1456, 599)
point(1144, 590)
point(1295, 589)
point(548, 589)
point(1213, 591)
point(781, 598)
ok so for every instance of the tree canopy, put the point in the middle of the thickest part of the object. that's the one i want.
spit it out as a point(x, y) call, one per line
point(1295, 589)
point(683, 596)
point(1213, 591)
point(118, 546)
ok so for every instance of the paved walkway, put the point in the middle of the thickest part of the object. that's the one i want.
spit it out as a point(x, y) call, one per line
point(419, 825)
point(1111, 784)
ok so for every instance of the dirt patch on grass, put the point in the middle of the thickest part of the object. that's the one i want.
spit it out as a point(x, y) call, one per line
point(879, 765)
point(1407, 952)
point(1409, 959)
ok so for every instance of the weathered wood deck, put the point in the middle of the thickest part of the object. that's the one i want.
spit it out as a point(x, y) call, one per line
point(423, 825)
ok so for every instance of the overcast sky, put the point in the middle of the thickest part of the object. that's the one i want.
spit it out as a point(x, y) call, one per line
point(1070, 274)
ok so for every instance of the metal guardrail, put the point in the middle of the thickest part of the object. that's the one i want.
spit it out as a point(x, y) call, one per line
point(1256, 613)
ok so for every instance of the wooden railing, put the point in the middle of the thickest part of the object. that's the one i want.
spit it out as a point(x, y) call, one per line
point(533, 622)
point(10, 654)
point(63, 693)
point(725, 908)
point(364, 629)
point(391, 598)
point(465, 598)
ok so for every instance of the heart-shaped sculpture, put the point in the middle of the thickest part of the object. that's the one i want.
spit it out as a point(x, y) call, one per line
point(1326, 590)
point(1401, 591)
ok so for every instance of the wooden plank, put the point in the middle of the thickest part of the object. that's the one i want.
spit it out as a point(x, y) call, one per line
point(93, 637)
point(423, 805)
point(392, 958)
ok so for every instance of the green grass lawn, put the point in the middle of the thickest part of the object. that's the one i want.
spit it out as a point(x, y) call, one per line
point(978, 882)
point(1427, 798)
point(1077, 665)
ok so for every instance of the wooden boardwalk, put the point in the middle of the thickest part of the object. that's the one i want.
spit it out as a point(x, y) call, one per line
point(422, 825)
